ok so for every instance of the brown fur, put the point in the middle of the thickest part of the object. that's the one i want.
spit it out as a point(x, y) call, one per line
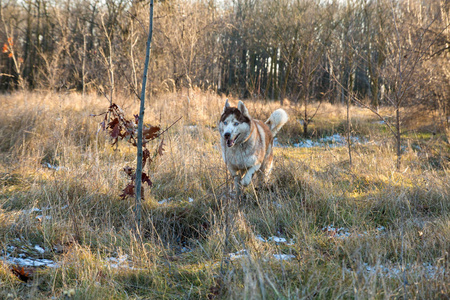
point(247, 143)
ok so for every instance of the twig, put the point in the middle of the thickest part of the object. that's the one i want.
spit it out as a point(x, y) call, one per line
point(166, 128)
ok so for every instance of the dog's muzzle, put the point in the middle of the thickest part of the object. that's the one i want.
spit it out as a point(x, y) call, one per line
point(230, 142)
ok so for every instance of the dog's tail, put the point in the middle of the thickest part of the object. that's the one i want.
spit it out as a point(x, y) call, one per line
point(276, 120)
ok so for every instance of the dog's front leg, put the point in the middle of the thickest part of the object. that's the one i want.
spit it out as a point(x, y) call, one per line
point(236, 174)
point(248, 176)
point(237, 186)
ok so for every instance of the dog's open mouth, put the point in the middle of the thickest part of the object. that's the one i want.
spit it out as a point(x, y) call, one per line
point(230, 142)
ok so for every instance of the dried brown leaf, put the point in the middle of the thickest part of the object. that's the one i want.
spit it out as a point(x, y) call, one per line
point(128, 191)
point(145, 157)
point(150, 132)
point(146, 179)
point(22, 274)
point(160, 147)
point(115, 128)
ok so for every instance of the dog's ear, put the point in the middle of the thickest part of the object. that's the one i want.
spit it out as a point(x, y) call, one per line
point(226, 105)
point(243, 109)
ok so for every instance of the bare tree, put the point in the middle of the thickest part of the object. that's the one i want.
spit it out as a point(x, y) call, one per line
point(138, 207)
point(11, 48)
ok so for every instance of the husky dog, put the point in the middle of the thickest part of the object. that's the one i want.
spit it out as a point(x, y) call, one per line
point(247, 143)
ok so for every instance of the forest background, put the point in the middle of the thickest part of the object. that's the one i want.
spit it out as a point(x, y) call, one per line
point(358, 202)
point(298, 50)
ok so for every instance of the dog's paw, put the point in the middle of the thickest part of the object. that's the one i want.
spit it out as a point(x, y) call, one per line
point(246, 180)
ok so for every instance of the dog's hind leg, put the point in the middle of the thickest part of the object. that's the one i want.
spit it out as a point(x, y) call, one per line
point(264, 172)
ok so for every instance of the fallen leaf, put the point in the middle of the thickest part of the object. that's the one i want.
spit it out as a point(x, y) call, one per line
point(21, 273)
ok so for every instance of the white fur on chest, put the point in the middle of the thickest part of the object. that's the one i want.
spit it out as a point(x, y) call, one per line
point(238, 157)
point(244, 155)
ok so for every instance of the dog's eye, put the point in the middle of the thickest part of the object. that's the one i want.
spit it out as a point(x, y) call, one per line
point(236, 123)
point(225, 123)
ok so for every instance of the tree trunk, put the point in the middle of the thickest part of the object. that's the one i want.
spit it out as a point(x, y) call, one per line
point(305, 129)
point(305, 117)
point(138, 185)
point(349, 140)
point(398, 137)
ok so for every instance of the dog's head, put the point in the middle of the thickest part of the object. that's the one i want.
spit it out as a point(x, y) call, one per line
point(234, 125)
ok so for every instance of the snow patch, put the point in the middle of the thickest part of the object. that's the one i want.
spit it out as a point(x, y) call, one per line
point(332, 141)
point(121, 262)
point(283, 256)
point(53, 167)
point(243, 253)
point(32, 210)
point(30, 262)
point(39, 249)
point(239, 254)
point(42, 217)
point(343, 233)
point(164, 201)
point(117, 262)
point(396, 270)
point(276, 239)
point(22, 257)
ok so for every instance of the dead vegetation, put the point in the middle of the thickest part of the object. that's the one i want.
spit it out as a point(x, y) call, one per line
point(320, 230)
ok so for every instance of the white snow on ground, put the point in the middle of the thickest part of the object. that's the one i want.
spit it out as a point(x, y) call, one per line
point(119, 262)
point(30, 262)
point(165, 201)
point(41, 217)
point(185, 250)
point(57, 168)
point(276, 143)
point(191, 127)
point(260, 238)
point(283, 256)
point(243, 253)
point(39, 249)
point(397, 271)
point(239, 254)
point(276, 239)
point(332, 141)
point(343, 233)
point(32, 210)
point(23, 258)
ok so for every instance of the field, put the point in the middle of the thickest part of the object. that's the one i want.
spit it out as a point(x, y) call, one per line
point(322, 229)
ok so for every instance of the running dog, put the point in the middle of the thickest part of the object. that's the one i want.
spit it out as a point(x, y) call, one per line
point(247, 143)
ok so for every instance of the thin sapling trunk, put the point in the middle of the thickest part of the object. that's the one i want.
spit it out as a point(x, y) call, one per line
point(138, 207)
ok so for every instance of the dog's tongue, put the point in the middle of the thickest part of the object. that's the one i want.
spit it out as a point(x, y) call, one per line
point(230, 143)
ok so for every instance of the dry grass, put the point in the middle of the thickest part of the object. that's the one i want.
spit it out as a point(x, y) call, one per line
point(185, 248)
